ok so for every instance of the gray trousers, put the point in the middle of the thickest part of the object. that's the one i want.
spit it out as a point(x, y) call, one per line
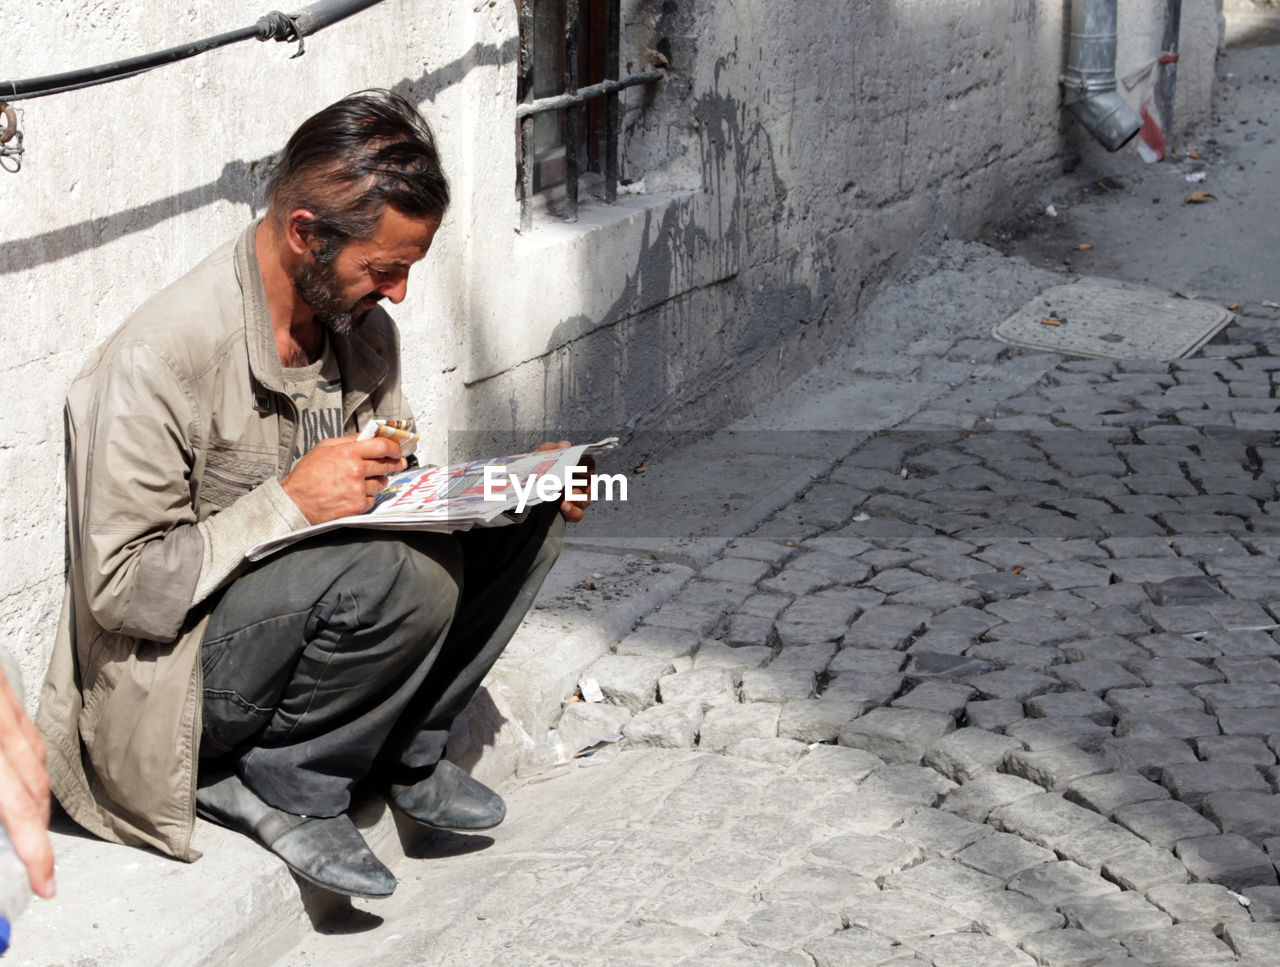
point(353, 653)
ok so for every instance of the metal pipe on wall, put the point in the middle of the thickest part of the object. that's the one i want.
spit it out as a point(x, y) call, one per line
point(271, 26)
point(1168, 71)
point(1090, 78)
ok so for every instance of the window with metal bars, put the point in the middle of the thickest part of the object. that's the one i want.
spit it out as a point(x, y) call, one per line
point(568, 113)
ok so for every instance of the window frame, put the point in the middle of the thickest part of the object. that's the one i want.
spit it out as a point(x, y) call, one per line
point(571, 101)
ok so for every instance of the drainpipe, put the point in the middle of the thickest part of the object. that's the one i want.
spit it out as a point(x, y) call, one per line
point(1090, 79)
point(1167, 78)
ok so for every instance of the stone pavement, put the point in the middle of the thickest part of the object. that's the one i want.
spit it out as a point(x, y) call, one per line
point(978, 664)
point(999, 685)
point(952, 654)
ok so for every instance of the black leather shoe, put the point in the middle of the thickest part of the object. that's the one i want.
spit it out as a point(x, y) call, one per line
point(450, 799)
point(330, 853)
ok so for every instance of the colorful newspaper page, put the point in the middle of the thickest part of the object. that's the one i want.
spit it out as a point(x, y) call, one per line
point(479, 493)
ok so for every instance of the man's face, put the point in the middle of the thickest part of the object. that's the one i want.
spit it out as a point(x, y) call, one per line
point(342, 290)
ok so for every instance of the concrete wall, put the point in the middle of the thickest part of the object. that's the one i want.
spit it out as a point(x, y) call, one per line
point(796, 155)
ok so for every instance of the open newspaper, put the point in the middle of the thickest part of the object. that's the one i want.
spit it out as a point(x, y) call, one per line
point(457, 497)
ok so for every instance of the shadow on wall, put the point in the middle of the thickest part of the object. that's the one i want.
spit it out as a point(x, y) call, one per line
point(241, 182)
point(842, 174)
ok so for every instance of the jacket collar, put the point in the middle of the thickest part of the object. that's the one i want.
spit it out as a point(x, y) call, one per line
point(362, 366)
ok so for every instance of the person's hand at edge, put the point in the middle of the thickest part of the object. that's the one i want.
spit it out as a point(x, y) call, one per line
point(24, 792)
point(573, 506)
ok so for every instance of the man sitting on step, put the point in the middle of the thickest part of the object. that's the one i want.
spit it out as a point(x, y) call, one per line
point(223, 413)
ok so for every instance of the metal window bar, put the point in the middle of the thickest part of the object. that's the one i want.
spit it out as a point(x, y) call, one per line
point(571, 116)
point(570, 101)
point(612, 59)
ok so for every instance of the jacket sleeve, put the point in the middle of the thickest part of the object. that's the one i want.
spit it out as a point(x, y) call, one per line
point(263, 513)
point(144, 555)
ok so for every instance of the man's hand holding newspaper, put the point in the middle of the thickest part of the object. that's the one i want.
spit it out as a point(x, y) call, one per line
point(357, 474)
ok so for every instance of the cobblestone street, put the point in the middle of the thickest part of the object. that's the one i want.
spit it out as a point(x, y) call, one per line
point(1001, 687)
point(998, 687)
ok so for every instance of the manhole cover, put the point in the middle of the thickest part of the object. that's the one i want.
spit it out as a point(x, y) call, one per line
point(1111, 320)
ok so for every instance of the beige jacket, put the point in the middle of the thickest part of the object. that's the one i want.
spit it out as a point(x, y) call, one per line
point(178, 431)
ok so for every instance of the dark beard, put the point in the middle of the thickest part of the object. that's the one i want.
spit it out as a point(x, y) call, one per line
point(317, 285)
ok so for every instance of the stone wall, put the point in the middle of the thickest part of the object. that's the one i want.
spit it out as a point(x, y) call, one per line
point(794, 157)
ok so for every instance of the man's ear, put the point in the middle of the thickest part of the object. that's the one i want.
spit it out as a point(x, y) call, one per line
point(300, 231)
